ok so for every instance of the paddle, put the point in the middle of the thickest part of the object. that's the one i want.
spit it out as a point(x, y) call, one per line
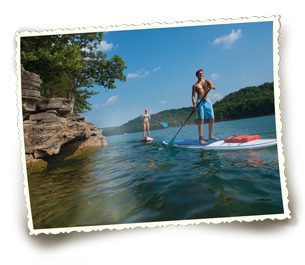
point(171, 143)
point(163, 124)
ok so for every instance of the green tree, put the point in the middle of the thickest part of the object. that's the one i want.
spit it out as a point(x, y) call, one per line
point(70, 64)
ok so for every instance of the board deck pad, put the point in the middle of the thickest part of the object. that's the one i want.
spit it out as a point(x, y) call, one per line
point(221, 145)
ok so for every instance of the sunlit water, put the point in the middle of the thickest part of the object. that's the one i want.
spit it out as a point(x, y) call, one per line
point(130, 181)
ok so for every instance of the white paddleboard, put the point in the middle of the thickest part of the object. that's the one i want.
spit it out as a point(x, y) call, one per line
point(147, 139)
point(221, 145)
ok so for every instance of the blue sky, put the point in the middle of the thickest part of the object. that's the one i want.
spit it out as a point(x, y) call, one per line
point(161, 66)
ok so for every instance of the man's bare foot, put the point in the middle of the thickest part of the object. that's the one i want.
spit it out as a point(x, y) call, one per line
point(202, 142)
point(213, 138)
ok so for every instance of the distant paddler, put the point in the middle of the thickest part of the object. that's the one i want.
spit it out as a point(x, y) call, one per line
point(146, 117)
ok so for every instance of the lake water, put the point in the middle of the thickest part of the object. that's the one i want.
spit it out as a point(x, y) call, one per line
point(131, 182)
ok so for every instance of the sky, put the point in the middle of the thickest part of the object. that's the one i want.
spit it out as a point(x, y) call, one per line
point(161, 66)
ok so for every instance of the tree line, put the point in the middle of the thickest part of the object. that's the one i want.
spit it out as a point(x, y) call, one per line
point(245, 103)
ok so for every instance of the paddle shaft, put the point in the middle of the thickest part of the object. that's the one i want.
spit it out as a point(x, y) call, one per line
point(191, 114)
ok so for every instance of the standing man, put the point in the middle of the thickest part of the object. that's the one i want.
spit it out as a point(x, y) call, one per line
point(205, 108)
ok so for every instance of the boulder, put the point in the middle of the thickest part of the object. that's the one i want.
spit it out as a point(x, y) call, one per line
point(29, 77)
point(54, 120)
point(72, 117)
point(29, 122)
point(31, 94)
point(29, 105)
point(42, 116)
point(58, 103)
point(42, 104)
point(30, 85)
point(39, 154)
point(61, 105)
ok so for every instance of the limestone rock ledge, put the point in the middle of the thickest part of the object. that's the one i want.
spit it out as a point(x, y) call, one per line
point(50, 127)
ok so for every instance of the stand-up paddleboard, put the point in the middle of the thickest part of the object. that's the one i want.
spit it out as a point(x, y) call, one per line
point(223, 145)
point(147, 139)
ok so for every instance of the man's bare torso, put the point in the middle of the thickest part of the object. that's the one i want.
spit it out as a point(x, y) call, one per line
point(201, 88)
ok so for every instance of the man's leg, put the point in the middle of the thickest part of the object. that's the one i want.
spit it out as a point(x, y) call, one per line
point(210, 115)
point(200, 123)
point(211, 130)
point(200, 131)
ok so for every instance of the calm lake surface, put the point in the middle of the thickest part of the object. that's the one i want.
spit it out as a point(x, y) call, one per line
point(131, 182)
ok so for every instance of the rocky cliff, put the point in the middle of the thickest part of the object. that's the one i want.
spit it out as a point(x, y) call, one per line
point(49, 126)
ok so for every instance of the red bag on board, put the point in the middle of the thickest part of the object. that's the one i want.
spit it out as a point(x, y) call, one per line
point(241, 138)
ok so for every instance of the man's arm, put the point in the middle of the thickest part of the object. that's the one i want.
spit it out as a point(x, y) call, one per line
point(193, 96)
point(211, 84)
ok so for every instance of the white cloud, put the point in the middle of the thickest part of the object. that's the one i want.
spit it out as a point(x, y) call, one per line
point(158, 68)
point(215, 97)
point(111, 100)
point(163, 102)
point(142, 73)
point(228, 40)
point(214, 76)
point(138, 74)
point(105, 46)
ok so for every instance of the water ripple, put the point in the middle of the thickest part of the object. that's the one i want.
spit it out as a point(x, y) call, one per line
point(134, 182)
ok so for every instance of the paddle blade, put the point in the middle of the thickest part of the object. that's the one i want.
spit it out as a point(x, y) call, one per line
point(164, 124)
point(171, 143)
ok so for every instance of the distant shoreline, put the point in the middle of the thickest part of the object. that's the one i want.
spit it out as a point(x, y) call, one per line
point(254, 101)
point(193, 124)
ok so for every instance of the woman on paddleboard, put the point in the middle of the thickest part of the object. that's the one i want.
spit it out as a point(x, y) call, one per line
point(146, 118)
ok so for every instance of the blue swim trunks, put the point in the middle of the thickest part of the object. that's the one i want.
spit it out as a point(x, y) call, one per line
point(205, 109)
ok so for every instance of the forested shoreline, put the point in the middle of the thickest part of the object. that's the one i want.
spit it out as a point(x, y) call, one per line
point(247, 102)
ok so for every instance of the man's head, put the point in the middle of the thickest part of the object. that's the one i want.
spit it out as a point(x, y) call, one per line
point(199, 73)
